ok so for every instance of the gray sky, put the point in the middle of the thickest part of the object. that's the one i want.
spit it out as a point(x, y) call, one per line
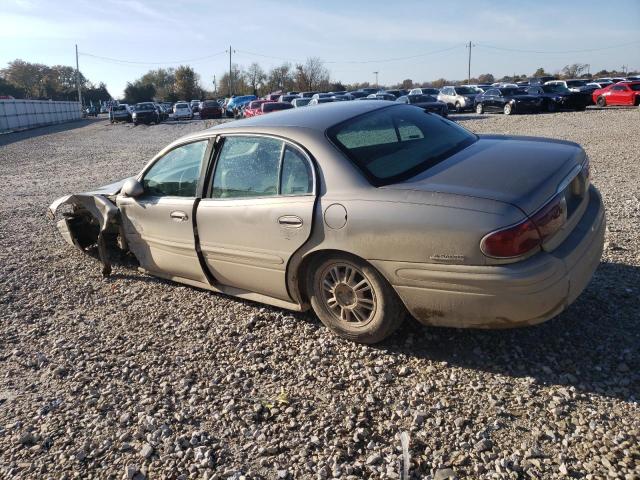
point(355, 38)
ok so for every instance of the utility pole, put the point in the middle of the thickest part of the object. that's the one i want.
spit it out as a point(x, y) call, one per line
point(230, 73)
point(215, 86)
point(78, 77)
point(469, 46)
point(376, 74)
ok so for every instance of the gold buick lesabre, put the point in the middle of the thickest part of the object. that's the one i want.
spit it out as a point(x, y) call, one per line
point(362, 211)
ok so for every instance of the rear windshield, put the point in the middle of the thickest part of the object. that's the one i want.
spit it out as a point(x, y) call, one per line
point(465, 90)
point(396, 143)
point(421, 98)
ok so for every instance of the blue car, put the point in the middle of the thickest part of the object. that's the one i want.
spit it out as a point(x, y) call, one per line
point(236, 102)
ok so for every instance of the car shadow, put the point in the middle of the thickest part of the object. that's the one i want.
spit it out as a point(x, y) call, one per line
point(593, 346)
point(11, 137)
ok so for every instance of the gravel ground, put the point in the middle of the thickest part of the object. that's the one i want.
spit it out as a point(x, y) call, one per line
point(134, 377)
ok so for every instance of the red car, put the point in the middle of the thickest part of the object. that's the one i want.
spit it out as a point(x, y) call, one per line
point(210, 109)
point(623, 93)
point(253, 108)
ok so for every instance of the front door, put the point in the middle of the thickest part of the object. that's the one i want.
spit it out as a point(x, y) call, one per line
point(258, 212)
point(158, 224)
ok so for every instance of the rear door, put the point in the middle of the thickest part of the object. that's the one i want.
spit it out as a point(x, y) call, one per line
point(257, 213)
point(158, 224)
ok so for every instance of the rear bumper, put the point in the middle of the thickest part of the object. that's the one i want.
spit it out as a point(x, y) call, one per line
point(505, 296)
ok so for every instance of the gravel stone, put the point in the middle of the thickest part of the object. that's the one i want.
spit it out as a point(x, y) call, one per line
point(221, 388)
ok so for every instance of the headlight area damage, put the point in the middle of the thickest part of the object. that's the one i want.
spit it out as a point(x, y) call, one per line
point(92, 223)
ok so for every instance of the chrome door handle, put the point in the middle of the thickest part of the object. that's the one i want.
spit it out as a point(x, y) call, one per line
point(178, 216)
point(291, 221)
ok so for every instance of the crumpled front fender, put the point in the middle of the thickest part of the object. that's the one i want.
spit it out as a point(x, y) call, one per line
point(100, 208)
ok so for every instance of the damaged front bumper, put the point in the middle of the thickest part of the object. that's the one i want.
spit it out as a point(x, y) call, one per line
point(93, 215)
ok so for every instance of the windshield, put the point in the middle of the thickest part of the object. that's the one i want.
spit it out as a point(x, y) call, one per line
point(119, 108)
point(555, 89)
point(182, 105)
point(144, 106)
point(430, 91)
point(396, 143)
point(576, 83)
point(466, 91)
point(511, 91)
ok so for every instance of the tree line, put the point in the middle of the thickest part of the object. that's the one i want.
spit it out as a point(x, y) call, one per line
point(37, 81)
point(22, 79)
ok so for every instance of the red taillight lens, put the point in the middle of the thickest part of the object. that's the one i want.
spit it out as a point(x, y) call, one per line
point(520, 239)
point(512, 241)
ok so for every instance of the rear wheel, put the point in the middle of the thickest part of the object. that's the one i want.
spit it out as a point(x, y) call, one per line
point(353, 300)
point(551, 106)
point(459, 108)
point(479, 109)
point(637, 101)
point(508, 109)
point(602, 102)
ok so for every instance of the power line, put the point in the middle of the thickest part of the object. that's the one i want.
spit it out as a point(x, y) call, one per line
point(135, 62)
point(333, 62)
point(550, 52)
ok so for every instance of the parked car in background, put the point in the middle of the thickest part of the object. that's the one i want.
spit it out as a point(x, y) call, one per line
point(271, 107)
point(145, 112)
point(459, 99)
point(380, 96)
point(194, 104)
point(253, 108)
point(468, 231)
point(428, 103)
point(234, 104)
point(507, 100)
point(541, 80)
point(397, 93)
point(425, 91)
point(321, 95)
point(307, 94)
point(317, 101)
point(623, 93)
point(357, 94)
point(557, 97)
point(182, 110)
point(91, 111)
point(300, 102)
point(287, 98)
point(210, 109)
point(369, 90)
point(163, 114)
point(119, 113)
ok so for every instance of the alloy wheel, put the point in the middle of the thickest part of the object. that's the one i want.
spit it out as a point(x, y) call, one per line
point(348, 294)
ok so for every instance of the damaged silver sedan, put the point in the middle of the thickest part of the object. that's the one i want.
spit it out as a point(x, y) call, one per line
point(362, 211)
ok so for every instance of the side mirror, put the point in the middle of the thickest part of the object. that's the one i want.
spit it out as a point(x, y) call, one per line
point(132, 188)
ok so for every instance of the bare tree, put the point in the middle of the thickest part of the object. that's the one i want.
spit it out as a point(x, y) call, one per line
point(574, 70)
point(312, 75)
point(255, 77)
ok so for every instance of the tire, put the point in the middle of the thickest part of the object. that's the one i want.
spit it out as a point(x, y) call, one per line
point(135, 124)
point(637, 101)
point(353, 300)
point(458, 108)
point(508, 109)
point(601, 102)
point(479, 109)
point(551, 106)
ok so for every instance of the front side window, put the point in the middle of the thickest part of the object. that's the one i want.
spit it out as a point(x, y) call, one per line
point(396, 143)
point(177, 173)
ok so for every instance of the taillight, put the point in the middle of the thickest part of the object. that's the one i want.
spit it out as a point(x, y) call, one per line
point(512, 241)
point(520, 239)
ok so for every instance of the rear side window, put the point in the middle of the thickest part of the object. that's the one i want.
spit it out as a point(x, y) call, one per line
point(396, 143)
point(260, 167)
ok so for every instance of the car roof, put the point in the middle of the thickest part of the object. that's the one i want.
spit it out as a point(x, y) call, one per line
point(320, 118)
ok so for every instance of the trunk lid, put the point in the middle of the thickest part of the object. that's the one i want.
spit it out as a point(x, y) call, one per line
point(522, 171)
